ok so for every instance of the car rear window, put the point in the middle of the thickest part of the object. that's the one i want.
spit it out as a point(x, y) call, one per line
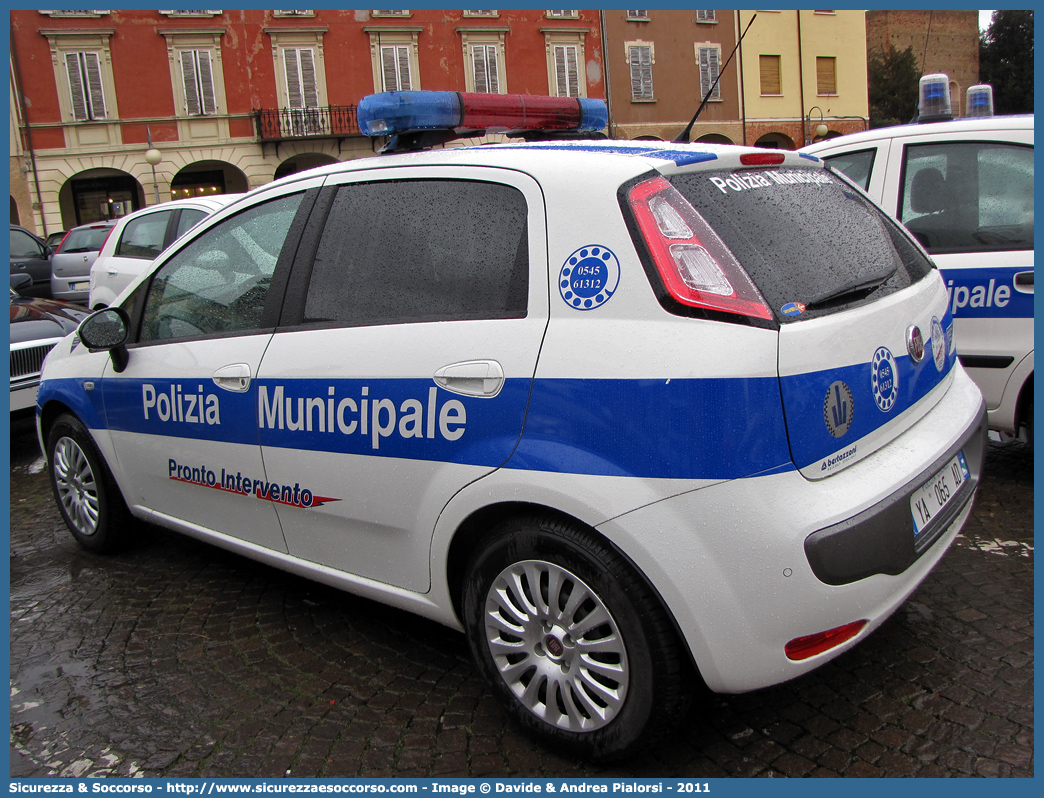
point(89, 239)
point(802, 234)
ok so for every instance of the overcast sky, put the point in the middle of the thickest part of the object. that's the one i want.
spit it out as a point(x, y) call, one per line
point(984, 19)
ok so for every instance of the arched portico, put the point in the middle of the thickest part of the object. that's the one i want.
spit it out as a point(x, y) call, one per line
point(776, 141)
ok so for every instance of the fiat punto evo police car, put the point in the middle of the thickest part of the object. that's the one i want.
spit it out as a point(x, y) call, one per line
point(632, 415)
point(964, 188)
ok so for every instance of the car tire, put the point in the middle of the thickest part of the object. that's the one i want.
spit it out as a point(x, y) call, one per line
point(607, 692)
point(88, 498)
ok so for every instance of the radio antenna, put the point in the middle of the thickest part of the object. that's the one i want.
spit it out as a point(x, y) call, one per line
point(683, 137)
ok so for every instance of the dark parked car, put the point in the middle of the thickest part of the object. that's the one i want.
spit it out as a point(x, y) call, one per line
point(30, 255)
point(36, 326)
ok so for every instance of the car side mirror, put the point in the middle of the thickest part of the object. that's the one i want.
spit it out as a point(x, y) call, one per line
point(107, 330)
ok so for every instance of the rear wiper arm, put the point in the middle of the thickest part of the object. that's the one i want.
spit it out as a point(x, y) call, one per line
point(856, 286)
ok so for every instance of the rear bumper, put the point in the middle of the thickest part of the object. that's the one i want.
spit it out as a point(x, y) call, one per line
point(24, 396)
point(70, 289)
point(881, 539)
point(730, 561)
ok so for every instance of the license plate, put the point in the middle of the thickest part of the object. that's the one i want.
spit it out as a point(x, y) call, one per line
point(76, 286)
point(937, 492)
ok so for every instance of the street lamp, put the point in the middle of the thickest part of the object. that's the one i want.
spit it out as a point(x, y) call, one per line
point(153, 157)
point(821, 128)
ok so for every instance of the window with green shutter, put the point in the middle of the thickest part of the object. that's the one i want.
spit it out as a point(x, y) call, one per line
point(198, 77)
point(484, 64)
point(85, 85)
point(640, 57)
point(567, 77)
point(395, 68)
point(710, 65)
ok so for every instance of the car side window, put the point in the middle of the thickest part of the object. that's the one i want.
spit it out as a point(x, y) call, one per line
point(969, 196)
point(143, 237)
point(856, 166)
point(220, 281)
point(189, 218)
point(421, 250)
point(24, 245)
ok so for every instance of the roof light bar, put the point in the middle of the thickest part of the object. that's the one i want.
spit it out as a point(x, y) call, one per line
point(980, 100)
point(934, 99)
point(395, 112)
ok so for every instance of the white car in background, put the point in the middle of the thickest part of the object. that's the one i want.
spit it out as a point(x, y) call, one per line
point(141, 236)
point(964, 189)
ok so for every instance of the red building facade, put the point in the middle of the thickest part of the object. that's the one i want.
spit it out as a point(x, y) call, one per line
point(234, 99)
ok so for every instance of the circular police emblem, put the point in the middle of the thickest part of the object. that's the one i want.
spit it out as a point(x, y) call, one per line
point(838, 409)
point(589, 277)
point(884, 379)
point(938, 343)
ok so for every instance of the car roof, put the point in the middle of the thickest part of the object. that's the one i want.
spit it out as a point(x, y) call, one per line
point(974, 125)
point(211, 203)
point(99, 223)
point(557, 159)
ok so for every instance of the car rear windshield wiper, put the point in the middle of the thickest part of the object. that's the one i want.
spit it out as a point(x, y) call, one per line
point(858, 285)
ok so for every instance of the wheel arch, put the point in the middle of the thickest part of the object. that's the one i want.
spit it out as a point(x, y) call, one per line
point(1024, 407)
point(482, 523)
point(57, 406)
point(48, 414)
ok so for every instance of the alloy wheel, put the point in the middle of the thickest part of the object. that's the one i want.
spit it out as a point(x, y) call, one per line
point(556, 646)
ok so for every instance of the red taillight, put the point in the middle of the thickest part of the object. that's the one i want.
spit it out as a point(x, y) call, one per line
point(697, 268)
point(761, 158)
point(804, 647)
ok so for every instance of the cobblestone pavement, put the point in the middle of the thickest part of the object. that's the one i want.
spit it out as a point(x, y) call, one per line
point(177, 659)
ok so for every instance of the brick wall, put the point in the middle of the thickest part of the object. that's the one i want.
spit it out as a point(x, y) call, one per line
point(953, 42)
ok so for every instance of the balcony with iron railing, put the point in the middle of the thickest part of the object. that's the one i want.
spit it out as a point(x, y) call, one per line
point(282, 124)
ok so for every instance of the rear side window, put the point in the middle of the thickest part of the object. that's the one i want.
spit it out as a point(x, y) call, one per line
point(87, 240)
point(968, 196)
point(421, 250)
point(24, 245)
point(803, 235)
point(856, 166)
point(143, 237)
point(189, 218)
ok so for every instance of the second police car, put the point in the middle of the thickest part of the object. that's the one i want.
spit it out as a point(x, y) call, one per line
point(964, 188)
point(632, 415)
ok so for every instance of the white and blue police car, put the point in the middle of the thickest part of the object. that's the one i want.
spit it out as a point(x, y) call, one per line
point(964, 188)
point(634, 416)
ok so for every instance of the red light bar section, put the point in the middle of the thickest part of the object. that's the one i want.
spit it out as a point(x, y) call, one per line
point(804, 647)
point(519, 112)
point(761, 158)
